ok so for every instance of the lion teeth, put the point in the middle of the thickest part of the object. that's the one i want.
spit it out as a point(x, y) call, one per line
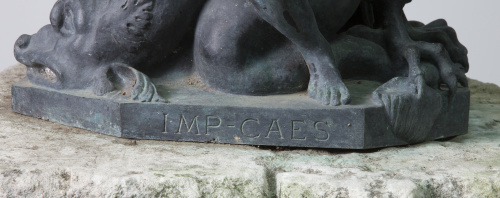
point(44, 72)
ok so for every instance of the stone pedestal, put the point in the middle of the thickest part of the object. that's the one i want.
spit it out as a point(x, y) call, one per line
point(40, 158)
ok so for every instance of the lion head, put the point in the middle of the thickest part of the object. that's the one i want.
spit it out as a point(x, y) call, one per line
point(86, 35)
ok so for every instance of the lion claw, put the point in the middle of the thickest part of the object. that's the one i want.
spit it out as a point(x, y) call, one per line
point(122, 81)
point(144, 90)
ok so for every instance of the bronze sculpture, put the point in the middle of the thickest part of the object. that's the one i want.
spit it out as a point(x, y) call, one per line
point(254, 47)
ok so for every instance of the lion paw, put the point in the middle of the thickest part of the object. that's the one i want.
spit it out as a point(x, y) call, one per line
point(144, 90)
point(450, 73)
point(124, 82)
point(328, 92)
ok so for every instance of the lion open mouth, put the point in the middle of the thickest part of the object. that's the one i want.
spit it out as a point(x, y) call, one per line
point(43, 72)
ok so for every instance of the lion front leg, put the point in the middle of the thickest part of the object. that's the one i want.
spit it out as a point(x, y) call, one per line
point(295, 19)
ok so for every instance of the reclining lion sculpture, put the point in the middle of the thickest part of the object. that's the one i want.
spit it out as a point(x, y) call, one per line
point(250, 47)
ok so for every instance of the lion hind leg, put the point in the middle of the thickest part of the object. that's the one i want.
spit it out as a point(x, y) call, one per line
point(238, 52)
point(295, 19)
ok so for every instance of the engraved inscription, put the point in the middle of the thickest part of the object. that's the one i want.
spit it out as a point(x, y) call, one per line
point(320, 126)
point(209, 123)
point(194, 123)
point(274, 128)
point(165, 120)
point(296, 128)
point(242, 128)
point(249, 128)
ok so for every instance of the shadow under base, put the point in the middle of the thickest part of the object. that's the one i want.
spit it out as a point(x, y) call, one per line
point(195, 114)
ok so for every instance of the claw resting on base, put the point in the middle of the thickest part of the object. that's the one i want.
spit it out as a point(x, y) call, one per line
point(124, 82)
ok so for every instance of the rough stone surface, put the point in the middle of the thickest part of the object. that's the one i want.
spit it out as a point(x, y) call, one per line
point(40, 158)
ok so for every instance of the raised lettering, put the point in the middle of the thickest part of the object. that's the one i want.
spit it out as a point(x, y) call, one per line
point(295, 129)
point(276, 129)
point(210, 126)
point(317, 127)
point(243, 125)
point(189, 128)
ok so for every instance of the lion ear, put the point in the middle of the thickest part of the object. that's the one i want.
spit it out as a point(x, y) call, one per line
point(139, 14)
